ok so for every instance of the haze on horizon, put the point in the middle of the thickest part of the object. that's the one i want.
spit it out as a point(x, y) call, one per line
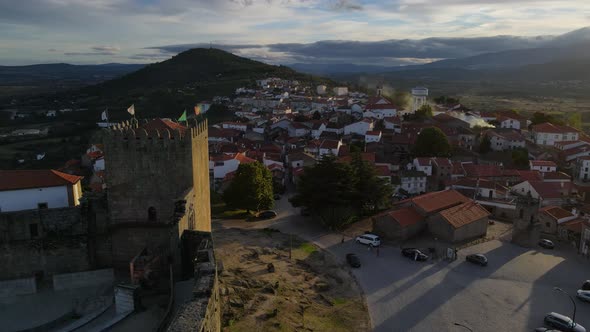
point(279, 31)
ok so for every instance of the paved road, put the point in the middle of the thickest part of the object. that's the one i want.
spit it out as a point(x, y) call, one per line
point(511, 294)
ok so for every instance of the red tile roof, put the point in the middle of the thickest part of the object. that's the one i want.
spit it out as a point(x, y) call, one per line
point(556, 212)
point(551, 128)
point(576, 225)
point(556, 176)
point(474, 171)
point(383, 170)
point(464, 214)
point(405, 217)
point(243, 159)
point(530, 175)
point(435, 201)
point(161, 124)
point(539, 163)
point(27, 179)
point(329, 144)
point(549, 190)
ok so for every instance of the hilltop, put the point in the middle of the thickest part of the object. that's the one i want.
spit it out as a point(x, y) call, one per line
point(168, 87)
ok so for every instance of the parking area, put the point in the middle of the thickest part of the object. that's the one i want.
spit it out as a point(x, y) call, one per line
point(513, 293)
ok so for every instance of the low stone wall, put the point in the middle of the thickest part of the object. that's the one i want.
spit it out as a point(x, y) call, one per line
point(82, 279)
point(18, 287)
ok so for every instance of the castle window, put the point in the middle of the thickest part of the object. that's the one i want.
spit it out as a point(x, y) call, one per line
point(152, 215)
point(33, 230)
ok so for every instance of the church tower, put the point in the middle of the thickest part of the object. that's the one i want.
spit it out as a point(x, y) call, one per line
point(526, 230)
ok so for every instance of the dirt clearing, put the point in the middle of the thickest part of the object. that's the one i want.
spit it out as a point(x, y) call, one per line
point(263, 290)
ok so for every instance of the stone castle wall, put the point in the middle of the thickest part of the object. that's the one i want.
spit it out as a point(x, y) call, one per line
point(61, 244)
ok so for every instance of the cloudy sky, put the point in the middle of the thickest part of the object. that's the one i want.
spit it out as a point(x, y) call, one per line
point(278, 31)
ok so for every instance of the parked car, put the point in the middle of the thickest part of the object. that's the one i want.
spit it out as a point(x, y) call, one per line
point(547, 244)
point(586, 285)
point(353, 260)
point(583, 295)
point(477, 259)
point(414, 254)
point(562, 322)
point(269, 214)
point(369, 239)
point(544, 329)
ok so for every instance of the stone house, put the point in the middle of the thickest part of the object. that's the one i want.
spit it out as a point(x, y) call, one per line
point(462, 222)
point(399, 224)
point(551, 217)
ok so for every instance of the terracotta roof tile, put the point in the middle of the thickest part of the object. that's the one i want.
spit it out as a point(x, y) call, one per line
point(435, 201)
point(27, 179)
point(464, 214)
point(405, 217)
point(556, 212)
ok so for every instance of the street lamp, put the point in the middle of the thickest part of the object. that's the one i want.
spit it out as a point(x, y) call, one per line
point(466, 327)
point(571, 298)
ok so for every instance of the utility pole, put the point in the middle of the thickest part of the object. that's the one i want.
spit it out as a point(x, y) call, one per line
point(571, 298)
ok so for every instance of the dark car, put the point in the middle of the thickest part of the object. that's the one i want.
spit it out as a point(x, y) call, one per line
point(414, 254)
point(586, 285)
point(562, 322)
point(353, 260)
point(477, 259)
point(547, 244)
point(544, 329)
point(267, 214)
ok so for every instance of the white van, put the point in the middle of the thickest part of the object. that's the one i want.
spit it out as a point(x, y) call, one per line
point(369, 239)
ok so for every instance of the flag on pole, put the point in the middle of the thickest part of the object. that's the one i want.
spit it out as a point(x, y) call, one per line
point(131, 109)
point(104, 116)
point(182, 117)
point(198, 109)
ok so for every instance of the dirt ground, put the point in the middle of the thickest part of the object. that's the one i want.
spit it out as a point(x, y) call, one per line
point(310, 292)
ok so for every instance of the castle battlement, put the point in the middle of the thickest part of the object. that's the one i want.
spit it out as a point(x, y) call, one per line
point(154, 130)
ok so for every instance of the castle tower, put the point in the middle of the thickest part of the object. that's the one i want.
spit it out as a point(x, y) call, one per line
point(157, 177)
point(419, 97)
point(526, 229)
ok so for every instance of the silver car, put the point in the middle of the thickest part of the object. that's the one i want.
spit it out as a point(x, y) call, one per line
point(584, 295)
point(562, 322)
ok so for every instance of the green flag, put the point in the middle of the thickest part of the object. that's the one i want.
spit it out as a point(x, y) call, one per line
point(182, 117)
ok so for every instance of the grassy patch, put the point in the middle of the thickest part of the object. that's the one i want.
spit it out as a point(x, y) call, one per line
point(339, 301)
point(308, 248)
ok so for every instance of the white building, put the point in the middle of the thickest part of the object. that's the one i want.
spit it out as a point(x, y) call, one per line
point(500, 141)
point(224, 164)
point(372, 136)
point(543, 166)
point(423, 165)
point(235, 125)
point(582, 169)
point(340, 91)
point(321, 89)
point(419, 97)
point(413, 182)
point(359, 128)
point(393, 123)
point(330, 147)
point(549, 134)
point(38, 189)
point(508, 122)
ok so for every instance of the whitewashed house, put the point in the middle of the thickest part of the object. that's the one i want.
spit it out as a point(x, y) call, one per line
point(548, 134)
point(359, 128)
point(38, 189)
point(330, 147)
point(373, 136)
point(423, 165)
point(543, 166)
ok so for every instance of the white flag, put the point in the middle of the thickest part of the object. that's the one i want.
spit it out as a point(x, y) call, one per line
point(131, 109)
point(104, 115)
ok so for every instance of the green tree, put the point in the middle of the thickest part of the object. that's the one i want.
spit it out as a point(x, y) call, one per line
point(326, 190)
point(251, 188)
point(520, 158)
point(540, 117)
point(575, 120)
point(432, 142)
point(485, 145)
point(423, 112)
point(372, 192)
point(401, 99)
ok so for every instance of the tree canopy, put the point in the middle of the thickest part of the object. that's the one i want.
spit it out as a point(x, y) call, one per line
point(337, 192)
point(251, 188)
point(485, 145)
point(432, 142)
point(423, 112)
point(540, 117)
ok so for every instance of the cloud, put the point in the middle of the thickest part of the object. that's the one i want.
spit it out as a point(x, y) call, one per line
point(52, 50)
point(347, 5)
point(111, 49)
point(88, 53)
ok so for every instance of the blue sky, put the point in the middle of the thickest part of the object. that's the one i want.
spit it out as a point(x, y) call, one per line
point(132, 31)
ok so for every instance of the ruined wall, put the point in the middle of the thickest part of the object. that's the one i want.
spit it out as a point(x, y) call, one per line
point(60, 246)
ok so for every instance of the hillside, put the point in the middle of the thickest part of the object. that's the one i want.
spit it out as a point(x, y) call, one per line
point(168, 87)
point(56, 72)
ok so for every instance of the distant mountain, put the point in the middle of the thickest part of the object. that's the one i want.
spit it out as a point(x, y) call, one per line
point(168, 87)
point(331, 68)
point(63, 73)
